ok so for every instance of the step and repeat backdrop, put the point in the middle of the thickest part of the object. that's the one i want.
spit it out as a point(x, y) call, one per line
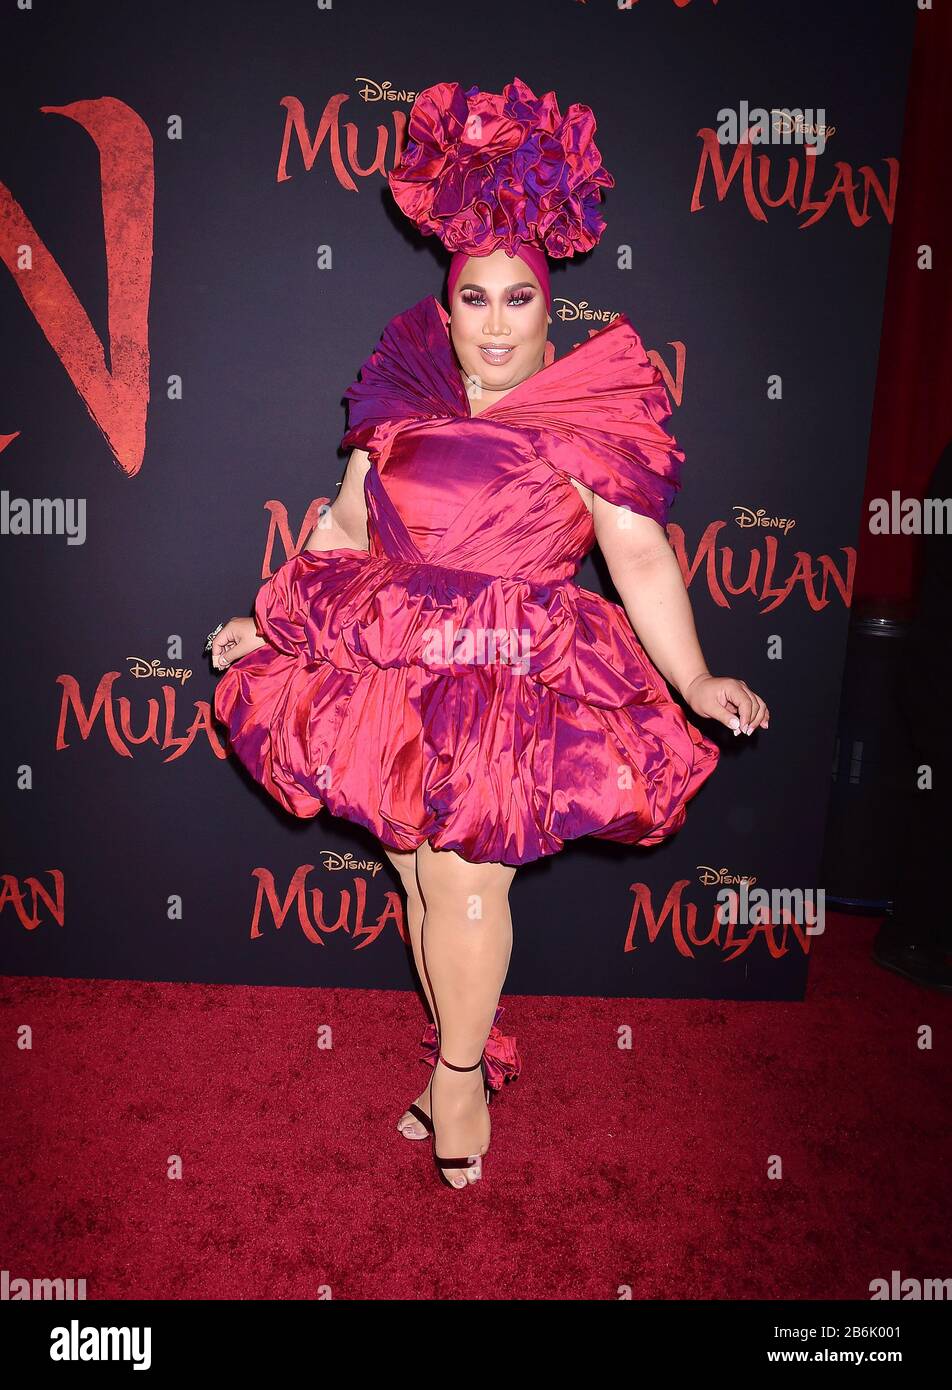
point(200, 250)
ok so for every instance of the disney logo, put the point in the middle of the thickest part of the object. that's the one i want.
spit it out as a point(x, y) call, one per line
point(332, 860)
point(708, 876)
point(569, 312)
point(748, 517)
point(382, 91)
point(788, 121)
point(141, 667)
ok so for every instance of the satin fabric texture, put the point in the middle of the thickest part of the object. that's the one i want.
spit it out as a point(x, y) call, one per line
point(452, 684)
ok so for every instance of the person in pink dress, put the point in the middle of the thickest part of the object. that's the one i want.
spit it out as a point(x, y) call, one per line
point(425, 666)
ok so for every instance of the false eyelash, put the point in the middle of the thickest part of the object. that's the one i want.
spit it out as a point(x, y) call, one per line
point(523, 297)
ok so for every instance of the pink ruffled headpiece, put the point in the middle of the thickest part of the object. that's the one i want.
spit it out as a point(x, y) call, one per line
point(482, 170)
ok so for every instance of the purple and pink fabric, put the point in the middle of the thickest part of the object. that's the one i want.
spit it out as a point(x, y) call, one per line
point(503, 1063)
point(371, 700)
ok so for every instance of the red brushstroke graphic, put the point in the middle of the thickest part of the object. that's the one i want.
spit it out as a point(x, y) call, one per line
point(679, 919)
point(306, 906)
point(280, 527)
point(117, 396)
point(23, 898)
point(813, 576)
point(797, 191)
point(767, 180)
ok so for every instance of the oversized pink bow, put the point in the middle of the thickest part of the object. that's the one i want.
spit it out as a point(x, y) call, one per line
point(503, 1062)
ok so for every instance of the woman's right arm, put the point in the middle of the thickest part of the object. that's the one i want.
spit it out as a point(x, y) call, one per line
point(342, 526)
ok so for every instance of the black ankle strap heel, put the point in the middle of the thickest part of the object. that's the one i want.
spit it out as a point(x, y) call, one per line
point(467, 1162)
point(452, 1066)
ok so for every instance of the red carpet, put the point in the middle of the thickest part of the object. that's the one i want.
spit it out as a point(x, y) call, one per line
point(646, 1168)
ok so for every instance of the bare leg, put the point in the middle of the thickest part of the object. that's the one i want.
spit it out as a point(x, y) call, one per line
point(405, 865)
point(467, 943)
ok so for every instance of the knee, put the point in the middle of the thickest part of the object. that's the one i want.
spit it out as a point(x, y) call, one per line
point(471, 892)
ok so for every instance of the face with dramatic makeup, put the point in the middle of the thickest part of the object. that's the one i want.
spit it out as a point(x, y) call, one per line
point(498, 325)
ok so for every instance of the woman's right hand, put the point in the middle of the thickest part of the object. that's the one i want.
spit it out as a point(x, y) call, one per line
point(237, 638)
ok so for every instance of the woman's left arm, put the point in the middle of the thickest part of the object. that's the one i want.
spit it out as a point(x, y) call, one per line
point(646, 573)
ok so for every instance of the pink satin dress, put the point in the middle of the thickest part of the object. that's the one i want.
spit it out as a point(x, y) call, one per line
point(453, 685)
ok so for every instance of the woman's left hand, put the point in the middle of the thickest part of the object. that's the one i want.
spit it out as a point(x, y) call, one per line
point(729, 700)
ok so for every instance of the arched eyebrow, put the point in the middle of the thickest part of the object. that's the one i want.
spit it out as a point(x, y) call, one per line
point(521, 285)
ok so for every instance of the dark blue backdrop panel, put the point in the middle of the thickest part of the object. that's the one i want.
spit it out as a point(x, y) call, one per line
point(160, 857)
